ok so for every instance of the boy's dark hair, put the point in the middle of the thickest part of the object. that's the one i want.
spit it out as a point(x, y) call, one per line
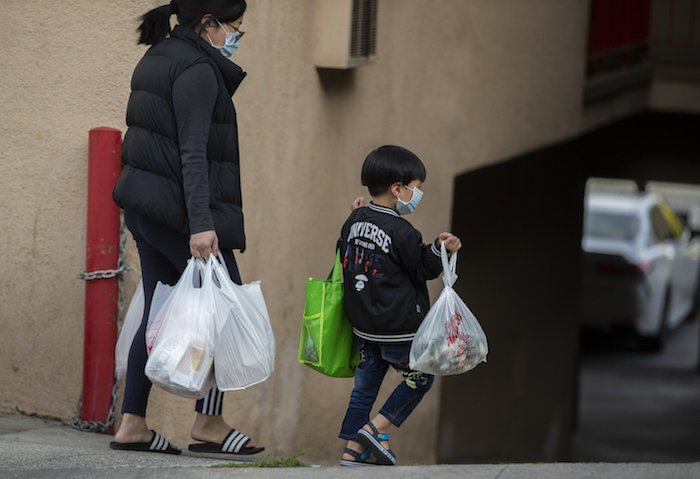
point(155, 25)
point(388, 164)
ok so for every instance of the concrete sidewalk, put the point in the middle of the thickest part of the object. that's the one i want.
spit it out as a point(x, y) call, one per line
point(37, 448)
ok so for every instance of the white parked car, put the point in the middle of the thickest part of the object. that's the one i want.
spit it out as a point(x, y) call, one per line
point(640, 266)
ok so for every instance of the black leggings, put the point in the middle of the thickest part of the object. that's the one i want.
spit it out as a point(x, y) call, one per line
point(164, 253)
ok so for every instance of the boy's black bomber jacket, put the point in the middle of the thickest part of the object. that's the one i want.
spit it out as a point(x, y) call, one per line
point(385, 268)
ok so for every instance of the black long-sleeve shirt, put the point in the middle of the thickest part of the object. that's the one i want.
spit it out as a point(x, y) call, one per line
point(194, 97)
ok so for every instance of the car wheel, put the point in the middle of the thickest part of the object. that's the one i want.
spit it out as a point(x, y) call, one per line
point(656, 343)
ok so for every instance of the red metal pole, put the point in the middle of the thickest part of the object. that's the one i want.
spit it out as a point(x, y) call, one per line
point(104, 166)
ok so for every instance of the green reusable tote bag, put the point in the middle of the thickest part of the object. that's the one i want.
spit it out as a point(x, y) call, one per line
point(327, 343)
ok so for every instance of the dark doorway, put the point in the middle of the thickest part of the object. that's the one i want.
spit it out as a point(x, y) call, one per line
point(521, 224)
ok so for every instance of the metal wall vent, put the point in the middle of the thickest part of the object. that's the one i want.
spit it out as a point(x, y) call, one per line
point(346, 33)
point(363, 41)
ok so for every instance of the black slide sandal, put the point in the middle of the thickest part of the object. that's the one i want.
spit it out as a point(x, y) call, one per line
point(234, 444)
point(157, 444)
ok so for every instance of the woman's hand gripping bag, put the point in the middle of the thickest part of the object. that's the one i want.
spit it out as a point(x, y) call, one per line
point(450, 339)
point(245, 354)
point(327, 343)
point(182, 357)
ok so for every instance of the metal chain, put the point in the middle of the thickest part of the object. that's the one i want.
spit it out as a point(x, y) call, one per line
point(104, 274)
point(122, 268)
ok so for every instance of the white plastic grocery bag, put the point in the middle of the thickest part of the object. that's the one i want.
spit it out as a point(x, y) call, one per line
point(245, 354)
point(161, 295)
point(450, 339)
point(182, 358)
point(132, 321)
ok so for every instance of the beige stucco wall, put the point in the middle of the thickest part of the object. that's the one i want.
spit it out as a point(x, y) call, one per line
point(461, 83)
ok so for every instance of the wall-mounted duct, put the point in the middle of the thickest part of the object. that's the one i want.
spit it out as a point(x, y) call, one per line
point(346, 33)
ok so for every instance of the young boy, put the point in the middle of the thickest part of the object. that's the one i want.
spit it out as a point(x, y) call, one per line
point(385, 267)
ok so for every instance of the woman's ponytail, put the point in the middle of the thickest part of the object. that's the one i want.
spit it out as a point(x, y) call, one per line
point(155, 25)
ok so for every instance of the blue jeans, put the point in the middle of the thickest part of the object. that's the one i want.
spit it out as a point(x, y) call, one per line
point(375, 362)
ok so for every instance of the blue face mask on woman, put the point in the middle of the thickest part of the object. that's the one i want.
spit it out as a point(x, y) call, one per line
point(404, 208)
point(230, 43)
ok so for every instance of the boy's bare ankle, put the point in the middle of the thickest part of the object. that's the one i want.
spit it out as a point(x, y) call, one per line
point(355, 446)
point(381, 423)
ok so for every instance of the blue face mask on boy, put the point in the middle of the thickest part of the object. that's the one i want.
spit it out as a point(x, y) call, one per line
point(230, 43)
point(404, 208)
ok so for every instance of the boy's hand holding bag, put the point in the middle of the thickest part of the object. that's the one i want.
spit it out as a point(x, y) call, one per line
point(327, 342)
point(450, 339)
point(182, 356)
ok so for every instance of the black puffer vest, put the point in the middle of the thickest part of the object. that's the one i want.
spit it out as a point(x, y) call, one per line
point(151, 179)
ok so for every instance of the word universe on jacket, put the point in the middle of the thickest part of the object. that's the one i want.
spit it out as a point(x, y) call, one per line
point(385, 267)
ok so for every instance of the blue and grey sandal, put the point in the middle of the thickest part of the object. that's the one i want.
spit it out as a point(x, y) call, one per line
point(360, 459)
point(372, 442)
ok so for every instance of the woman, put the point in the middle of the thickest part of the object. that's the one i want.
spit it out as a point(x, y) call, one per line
point(180, 185)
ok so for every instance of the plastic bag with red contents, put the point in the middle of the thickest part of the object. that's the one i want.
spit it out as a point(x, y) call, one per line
point(450, 340)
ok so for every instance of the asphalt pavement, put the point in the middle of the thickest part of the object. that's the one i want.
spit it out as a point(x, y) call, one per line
point(637, 406)
point(38, 448)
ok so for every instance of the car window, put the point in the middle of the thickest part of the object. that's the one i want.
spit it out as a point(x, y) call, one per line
point(674, 222)
point(610, 226)
point(661, 228)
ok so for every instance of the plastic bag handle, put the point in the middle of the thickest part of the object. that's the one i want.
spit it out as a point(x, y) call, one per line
point(449, 270)
point(197, 272)
point(221, 259)
point(206, 271)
